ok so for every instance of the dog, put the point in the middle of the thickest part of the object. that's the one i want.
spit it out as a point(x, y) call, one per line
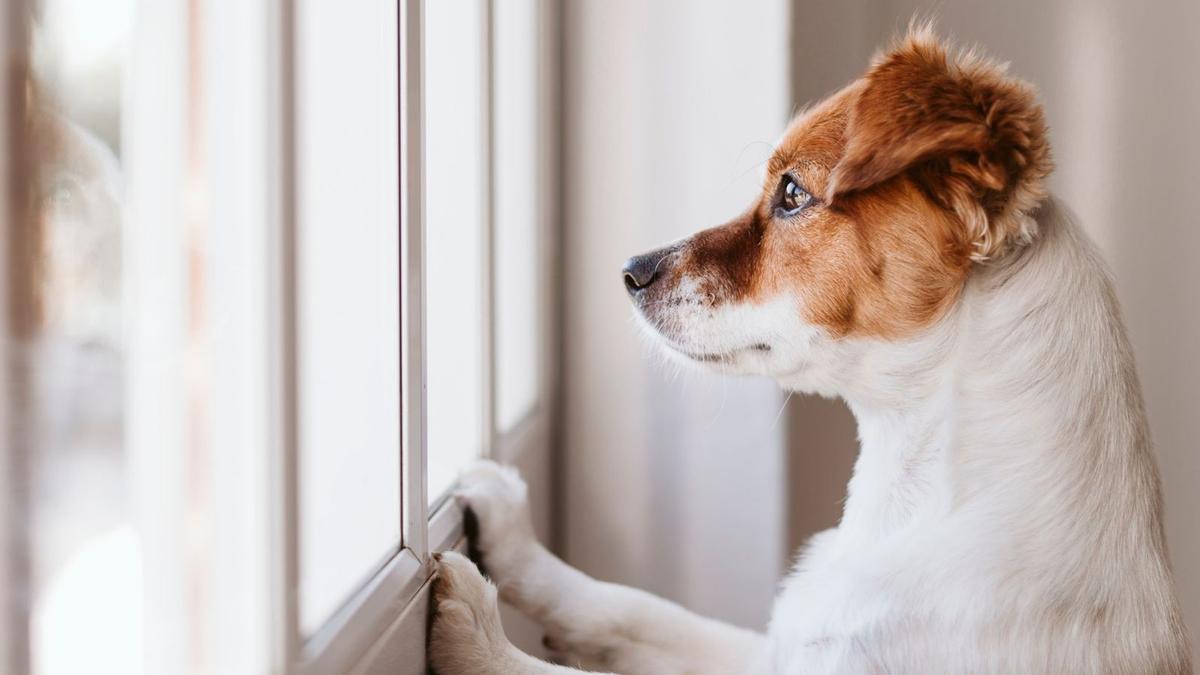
point(1004, 515)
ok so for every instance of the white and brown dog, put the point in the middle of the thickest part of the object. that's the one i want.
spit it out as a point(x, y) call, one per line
point(1004, 515)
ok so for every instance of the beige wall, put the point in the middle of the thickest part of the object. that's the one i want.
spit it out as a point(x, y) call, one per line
point(1122, 93)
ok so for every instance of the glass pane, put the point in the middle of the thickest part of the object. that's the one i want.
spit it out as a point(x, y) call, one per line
point(85, 556)
point(454, 217)
point(348, 297)
point(516, 238)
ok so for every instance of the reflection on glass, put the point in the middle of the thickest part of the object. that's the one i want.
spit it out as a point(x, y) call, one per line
point(84, 554)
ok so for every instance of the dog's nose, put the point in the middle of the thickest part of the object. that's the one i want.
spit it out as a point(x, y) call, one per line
point(641, 271)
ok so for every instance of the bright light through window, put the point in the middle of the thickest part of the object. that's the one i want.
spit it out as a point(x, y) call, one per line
point(518, 262)
point(348, 298)
point(455, 208)
point(85, 556)
point(203, 320)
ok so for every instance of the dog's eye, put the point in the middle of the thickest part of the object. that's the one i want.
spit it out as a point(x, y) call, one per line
point(792, 197)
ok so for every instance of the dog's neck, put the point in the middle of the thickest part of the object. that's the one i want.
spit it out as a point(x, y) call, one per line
point(1016, 394)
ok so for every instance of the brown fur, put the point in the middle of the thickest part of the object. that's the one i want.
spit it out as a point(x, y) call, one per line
point(923, 166)
point(971, 135)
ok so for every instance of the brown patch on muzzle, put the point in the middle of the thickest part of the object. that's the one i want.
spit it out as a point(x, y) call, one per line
point(725, 260)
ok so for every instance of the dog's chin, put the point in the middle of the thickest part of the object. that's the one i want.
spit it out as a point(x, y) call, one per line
point(750, 359)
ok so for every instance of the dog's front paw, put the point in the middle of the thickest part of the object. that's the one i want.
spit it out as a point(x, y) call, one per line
point(498, 498)
point(466, 635)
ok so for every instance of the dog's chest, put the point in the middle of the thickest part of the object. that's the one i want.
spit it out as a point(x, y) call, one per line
point(822, 622)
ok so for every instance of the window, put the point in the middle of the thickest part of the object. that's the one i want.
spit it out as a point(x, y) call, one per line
point(456, 248)
point(347, 272)
point(518, 250)
point(283, 275)
point(83, 555)
point(482, 233)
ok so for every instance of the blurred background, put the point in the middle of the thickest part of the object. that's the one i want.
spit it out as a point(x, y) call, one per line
point(277, 270)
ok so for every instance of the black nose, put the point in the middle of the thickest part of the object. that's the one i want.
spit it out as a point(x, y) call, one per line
point(641, 271)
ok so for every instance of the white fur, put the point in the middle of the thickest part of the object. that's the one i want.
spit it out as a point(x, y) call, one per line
point(1004, 515)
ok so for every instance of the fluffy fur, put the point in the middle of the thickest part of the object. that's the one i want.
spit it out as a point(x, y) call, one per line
point(1004, 515)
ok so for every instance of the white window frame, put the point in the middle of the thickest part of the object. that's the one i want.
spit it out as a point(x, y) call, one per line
point(247, 105)
point(353, 628)
point(388, 609)
point(370, 616)
point(228, 96)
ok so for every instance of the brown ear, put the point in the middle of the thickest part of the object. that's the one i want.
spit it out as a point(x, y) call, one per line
point(974, 136)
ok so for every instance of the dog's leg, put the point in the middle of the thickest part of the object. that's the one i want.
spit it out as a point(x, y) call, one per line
point(466, 637)
point(600, 624)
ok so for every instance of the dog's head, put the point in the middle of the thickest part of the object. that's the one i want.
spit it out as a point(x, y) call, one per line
point(876, 205)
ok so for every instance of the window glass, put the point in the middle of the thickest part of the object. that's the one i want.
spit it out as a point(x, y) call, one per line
point(455, 209)
point(518, 259)
point(348, 302)
point(128, 284)
point(84, 551)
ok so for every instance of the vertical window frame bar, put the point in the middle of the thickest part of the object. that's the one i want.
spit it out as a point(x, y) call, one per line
point(414, 484)
point(488, 277)
point(281, 333)
point(350, 632)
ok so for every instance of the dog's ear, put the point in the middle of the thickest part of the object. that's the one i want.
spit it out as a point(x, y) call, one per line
point(972, 135)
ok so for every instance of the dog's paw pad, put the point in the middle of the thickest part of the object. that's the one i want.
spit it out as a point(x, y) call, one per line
point(466, 618)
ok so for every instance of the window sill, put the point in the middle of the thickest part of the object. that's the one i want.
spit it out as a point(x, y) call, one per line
point(372, 612)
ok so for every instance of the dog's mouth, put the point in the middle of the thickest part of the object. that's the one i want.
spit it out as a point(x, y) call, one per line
point(662, 324)
point(721, 356)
